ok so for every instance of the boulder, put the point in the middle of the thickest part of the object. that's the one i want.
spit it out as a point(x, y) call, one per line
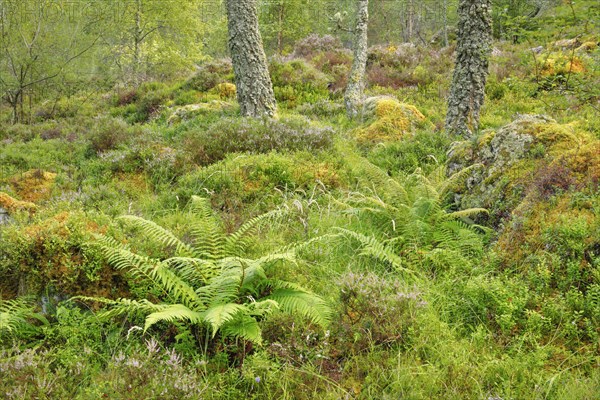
point(388, 120)
point(531, 156)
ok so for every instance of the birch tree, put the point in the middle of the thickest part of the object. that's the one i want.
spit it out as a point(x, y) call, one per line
point(471, 67)
point(356, 81)
point(254, 87)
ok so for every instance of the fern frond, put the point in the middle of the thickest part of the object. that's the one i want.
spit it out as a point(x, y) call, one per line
point(177, 288)
point(193, 270)
point(122, 306)
point(295, 300)
point(13, 314)
point(243, 326)
point(370, 246)
point(456, 180)
point(209, 239)
point(220, 314)
point(235, 243)
point(171, 313)
point(159, 234)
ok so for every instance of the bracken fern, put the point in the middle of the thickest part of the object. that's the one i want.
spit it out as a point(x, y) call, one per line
point(412, 227)
point(209, 282)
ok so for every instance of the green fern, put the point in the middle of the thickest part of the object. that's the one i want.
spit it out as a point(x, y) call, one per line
point(17, 318)
point(412, 227)
point(209, 282)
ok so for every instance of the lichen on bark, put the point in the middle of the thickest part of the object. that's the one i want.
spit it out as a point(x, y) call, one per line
point(471, 67)
point(253, 83)
point(356, 81)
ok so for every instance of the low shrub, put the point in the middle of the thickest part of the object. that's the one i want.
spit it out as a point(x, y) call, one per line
point(209, 75)
point(232, 135)
point(108, 134)
point(315, 43)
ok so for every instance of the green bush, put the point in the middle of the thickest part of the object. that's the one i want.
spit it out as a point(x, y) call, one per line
point(233, 135)
point(209, 75)
point(209, 283)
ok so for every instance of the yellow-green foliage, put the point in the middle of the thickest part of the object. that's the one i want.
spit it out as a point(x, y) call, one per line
point(50, 253)
point(570, 147)
point(562, 64)
point(587, 47)
point(11, 204)
point(33, 185)
point(393, 120)
point(225, 90)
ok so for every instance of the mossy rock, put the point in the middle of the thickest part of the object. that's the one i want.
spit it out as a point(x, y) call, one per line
point(190, 111)
point(225, 90)
point(53, 253)
point(587, 47)
point(562, 64)
point(532, 156)
point(390, 120)
point(34, 185)
point(11, 204)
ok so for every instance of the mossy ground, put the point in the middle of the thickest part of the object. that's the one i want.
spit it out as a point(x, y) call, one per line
point(521, 321)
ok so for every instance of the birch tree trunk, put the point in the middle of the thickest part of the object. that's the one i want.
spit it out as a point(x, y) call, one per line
point(471, 68)
point(356, 81)
point(254, 88)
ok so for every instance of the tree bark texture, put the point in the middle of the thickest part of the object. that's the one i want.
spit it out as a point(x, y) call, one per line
point(253, 83)
point(471, 68)
point(356, 81)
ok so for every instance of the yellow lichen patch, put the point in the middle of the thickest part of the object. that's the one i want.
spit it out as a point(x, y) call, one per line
point(11, 204)
point(587, 47)
point(524, 236)
point(560, 64)
point(225, 90)
point(485, 139)
point(393, 120)
point(34, 185)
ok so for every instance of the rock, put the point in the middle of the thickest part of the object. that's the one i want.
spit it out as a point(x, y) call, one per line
point(537, 50)
point(388, 119)
point(4, 217)
point(513, 160)
point(567, 44)
point(587, 47)
point(193, 110)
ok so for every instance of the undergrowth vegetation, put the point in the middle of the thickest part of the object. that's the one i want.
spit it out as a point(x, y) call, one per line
point(154, 244)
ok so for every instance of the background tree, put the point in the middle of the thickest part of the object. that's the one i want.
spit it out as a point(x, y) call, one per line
point(148, 39)
point(39, 44)
point(356, 81)
point(471, 67)
point(254, 87)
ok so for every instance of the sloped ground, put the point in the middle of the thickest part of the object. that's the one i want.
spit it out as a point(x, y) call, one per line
point(469, 305)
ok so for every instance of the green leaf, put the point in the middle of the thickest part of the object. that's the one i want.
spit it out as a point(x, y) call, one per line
point(171, 313)
point(220, 314)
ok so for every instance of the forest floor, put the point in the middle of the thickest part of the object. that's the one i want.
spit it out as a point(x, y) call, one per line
point(452, 268)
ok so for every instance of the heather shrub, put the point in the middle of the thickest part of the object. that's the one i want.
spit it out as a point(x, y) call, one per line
point(108, 134)
point(231, 135)
point(396, 56)
point(296, 82)
point(375, 311)
point(297, 73)
point(313, 44)
point(323, 108)
point(209, 75)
